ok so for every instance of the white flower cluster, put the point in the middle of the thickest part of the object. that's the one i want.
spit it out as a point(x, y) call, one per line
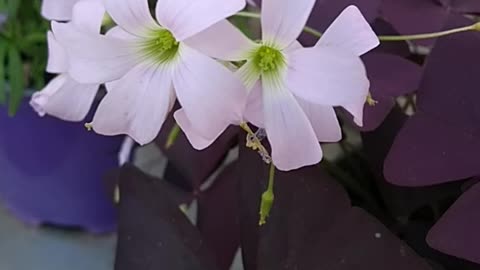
point(147, 64)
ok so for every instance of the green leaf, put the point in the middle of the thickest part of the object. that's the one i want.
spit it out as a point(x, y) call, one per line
point(13, 6)
point(16, 79)
point(3, 54)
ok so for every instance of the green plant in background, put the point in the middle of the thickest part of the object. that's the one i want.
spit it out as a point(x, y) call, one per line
point(23, 50)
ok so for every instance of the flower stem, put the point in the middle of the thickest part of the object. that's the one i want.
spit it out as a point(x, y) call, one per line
point(472, 27)
point(316, 33)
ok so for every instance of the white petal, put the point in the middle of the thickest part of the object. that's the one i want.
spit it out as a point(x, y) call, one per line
point(284, 20)
point(64, 98)
point(132, 15)
point(329, 77)
point(185, 18)
point(254, 109)
point(324, 121)
point(138, 105)
point(296, 45)
point(60, 10)
point(350, 31)
point(57, 56)
point(223, 41)
point(248, 74)
point(88, 15)
point(118, 32)
point(293, 140)
point(211, 95)
point(194, 137)
point(95, 58)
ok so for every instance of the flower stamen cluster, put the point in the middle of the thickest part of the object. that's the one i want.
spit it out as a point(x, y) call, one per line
point(160, 47)
point(268, 59)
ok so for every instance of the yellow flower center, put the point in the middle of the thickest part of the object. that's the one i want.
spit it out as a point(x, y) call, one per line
point(160, 47)
point(268, 59)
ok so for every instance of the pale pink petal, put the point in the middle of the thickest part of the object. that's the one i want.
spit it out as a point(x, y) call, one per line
point(95, 58)
point(132, 15)
point(185, 18)
point(324, 121)
point(283, 20)
point(254, 109)
point(248, 74)
point(138, 105)
point(296, 45)
point(351, 32)
point(88, 15)
point(223, 41)
point(64, 98)
point(118, 32)
point(194, 137)
point(60, 10)
point(293, 140)
point(329, 77)
point(211, 95)
point(57, 56)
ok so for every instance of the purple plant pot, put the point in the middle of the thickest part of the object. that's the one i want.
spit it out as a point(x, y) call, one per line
point(51, 171)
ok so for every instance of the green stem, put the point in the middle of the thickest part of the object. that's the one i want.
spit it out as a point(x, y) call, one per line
point(271, 177)
point(472, 27)
point(316, 33)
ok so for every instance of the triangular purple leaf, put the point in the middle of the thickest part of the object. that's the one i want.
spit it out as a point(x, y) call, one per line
point(153, 232)
point(441, 142)
point(390, 76)
point(218, 216)
point(195, 166)
point(457, 233)
point(311, 225)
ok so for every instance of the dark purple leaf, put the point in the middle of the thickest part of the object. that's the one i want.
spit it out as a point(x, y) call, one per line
point(428, 152)
point(456, 233)
point(390, 76)
point(441, 142)
point(312, 225)
point(466, 6)
point(400, 201)
point(415, 17)
point(382, 27)
point(153, 232)
point(424, 16)
point(307, 202)
point(253, 175)
point(195, 166)
point(218, 216)
point(357, 241)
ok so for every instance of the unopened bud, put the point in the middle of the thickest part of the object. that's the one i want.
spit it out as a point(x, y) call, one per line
point(266, 206)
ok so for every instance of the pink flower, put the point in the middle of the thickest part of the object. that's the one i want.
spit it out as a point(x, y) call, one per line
point(146, 65)
point(294, 89)
point(59, 10)
point(64, 97)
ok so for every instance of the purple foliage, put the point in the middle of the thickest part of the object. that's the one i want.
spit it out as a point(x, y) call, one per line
point(373, 208)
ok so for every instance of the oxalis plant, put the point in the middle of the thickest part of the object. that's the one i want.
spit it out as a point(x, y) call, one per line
point(220, 77)
point(22, 50)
